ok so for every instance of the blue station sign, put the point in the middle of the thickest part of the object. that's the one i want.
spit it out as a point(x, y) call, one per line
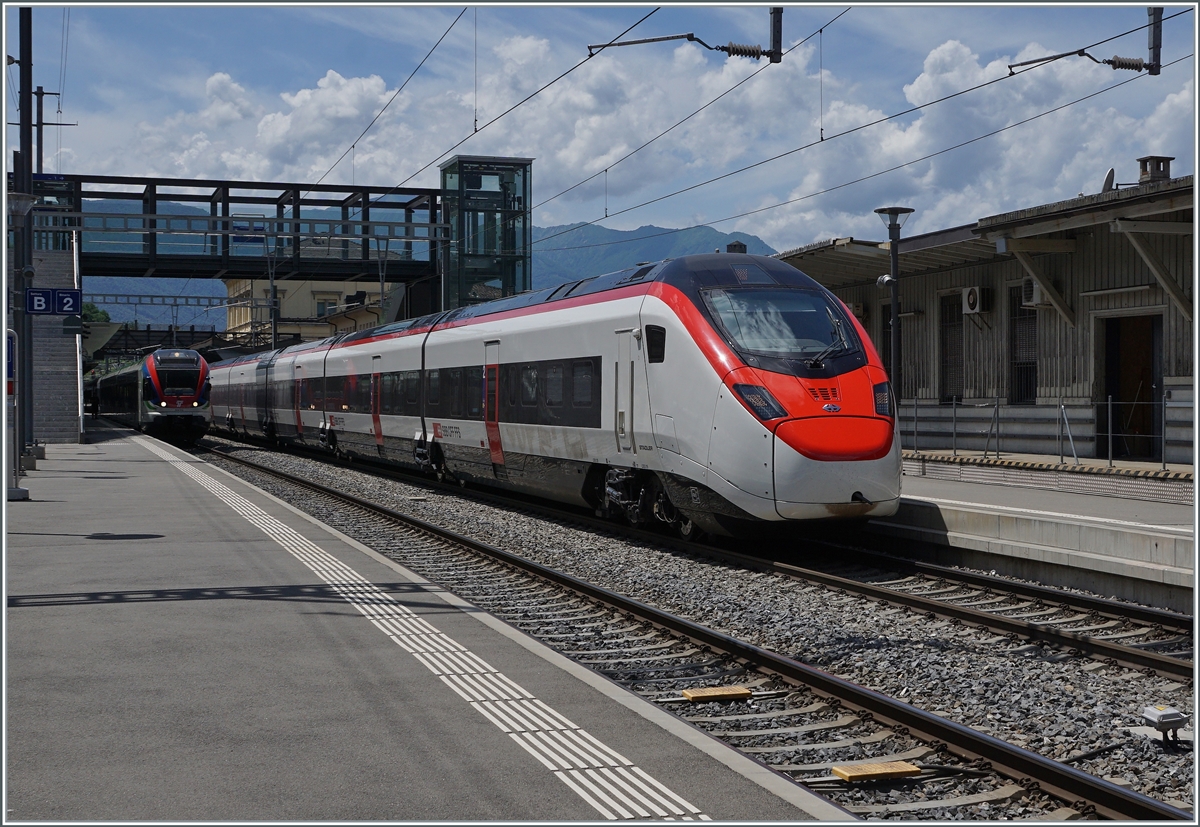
point(45, 301)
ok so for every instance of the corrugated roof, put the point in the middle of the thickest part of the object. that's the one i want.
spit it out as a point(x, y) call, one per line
point(840, 262)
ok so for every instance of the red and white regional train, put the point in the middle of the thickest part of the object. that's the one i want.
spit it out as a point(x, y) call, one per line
point(165, 395)
point(708, 391)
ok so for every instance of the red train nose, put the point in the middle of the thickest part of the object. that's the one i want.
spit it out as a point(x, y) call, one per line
point(838, 438)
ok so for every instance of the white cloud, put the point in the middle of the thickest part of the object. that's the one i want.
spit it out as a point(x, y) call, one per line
point(223, 125)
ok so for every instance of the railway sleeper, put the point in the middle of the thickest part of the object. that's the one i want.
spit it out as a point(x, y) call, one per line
point(636, 659)
point(653, 647)
point(637, 681)
point(1008, 792)
point(873, 738)
point(821, 726)
point(819, 706)
point(693, 665)
point(914, 754)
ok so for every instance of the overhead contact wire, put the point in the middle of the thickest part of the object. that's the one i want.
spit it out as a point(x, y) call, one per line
point(865, 177)
point(689, 117)
point(390, 100)
point(850, 131)
point(511, 108)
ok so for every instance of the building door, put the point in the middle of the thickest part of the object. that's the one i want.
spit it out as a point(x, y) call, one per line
point(1133, 378)
point(1022, 351)
point(950, 344)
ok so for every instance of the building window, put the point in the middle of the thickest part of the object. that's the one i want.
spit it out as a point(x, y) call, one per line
point(1022, 350)
point(327, 304)
point(950, 342)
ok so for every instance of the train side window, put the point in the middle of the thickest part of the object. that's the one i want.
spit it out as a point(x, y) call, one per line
point(412, 393)
point(433, 392)
point(581, 384)
point(554, 386)
point(529, 383)
point(474, 392)
point(389, 401)
point(508, 377)
point(456, 390)
point(656, 343)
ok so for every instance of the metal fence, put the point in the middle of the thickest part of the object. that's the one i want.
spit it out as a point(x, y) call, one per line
point(1115, 430)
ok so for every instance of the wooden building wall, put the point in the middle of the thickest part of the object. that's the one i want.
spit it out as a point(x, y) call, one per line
point(1070, 360)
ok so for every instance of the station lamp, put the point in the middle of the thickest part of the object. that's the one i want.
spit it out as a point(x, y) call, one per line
point(894, 218)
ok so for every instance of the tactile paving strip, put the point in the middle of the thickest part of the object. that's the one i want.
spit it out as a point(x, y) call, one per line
point(602, 777)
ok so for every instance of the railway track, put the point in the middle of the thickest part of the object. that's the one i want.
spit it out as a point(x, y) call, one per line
point(1111, 631)
point(800, 720)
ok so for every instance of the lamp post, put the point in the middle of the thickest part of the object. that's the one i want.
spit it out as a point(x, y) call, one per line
point(894, 218)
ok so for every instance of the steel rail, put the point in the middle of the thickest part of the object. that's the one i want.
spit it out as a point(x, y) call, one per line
point(1082, 644)
point(1081, 789)
point(1124, 611)
point(1079, 644)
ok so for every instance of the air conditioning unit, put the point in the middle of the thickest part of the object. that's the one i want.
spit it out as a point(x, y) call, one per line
point(976, 300)
point(1032, 294)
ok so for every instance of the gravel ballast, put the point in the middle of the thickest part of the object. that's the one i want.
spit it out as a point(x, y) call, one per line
point(1048, 702)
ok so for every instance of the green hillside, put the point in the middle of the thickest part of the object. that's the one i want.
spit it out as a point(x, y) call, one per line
point(584, 250)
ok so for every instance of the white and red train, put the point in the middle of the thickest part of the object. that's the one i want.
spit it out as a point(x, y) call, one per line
point(710, 392)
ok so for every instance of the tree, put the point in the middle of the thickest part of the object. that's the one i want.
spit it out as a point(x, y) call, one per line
point(91, 313)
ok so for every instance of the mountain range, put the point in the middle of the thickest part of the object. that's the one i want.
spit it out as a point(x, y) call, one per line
point(576, 251)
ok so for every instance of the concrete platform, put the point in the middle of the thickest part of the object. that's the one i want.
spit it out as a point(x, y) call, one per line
point(182, 646)
point(1137, 548)
point(1123, 478)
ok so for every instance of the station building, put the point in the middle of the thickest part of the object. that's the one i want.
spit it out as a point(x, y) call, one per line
point(1019, 328)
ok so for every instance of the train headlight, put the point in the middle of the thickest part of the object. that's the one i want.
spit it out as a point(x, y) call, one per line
point(760, 401)
point(164, 404)
point(195, 404)
point(883, 399)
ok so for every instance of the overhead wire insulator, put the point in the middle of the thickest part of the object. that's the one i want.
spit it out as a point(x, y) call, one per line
point(742, 50)
point(1134, 63)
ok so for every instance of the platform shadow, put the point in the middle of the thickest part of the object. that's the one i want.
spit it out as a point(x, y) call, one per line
point(305, 593)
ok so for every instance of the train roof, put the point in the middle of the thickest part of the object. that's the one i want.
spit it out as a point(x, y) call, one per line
point(687, 272)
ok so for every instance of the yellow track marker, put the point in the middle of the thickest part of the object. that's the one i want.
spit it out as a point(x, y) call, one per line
point(717, 693)
point(871, 772)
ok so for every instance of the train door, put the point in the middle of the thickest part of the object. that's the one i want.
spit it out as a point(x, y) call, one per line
point(242, 399)
point(376, 400)
point(491, 404)
point(298, 395)
point(623, 395)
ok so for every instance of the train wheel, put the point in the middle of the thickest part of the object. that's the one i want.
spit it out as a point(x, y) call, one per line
point(688, 530)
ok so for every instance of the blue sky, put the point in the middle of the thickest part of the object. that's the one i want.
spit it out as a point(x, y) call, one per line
point(278, 93)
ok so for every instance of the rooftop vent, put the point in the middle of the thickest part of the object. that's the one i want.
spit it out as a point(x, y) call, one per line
point(1154, 168)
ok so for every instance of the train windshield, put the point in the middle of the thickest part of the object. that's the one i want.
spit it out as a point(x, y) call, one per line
point(178, 382)
point(782, 322)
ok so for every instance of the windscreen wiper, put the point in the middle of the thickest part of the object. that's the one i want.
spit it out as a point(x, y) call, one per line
point(840, 343)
